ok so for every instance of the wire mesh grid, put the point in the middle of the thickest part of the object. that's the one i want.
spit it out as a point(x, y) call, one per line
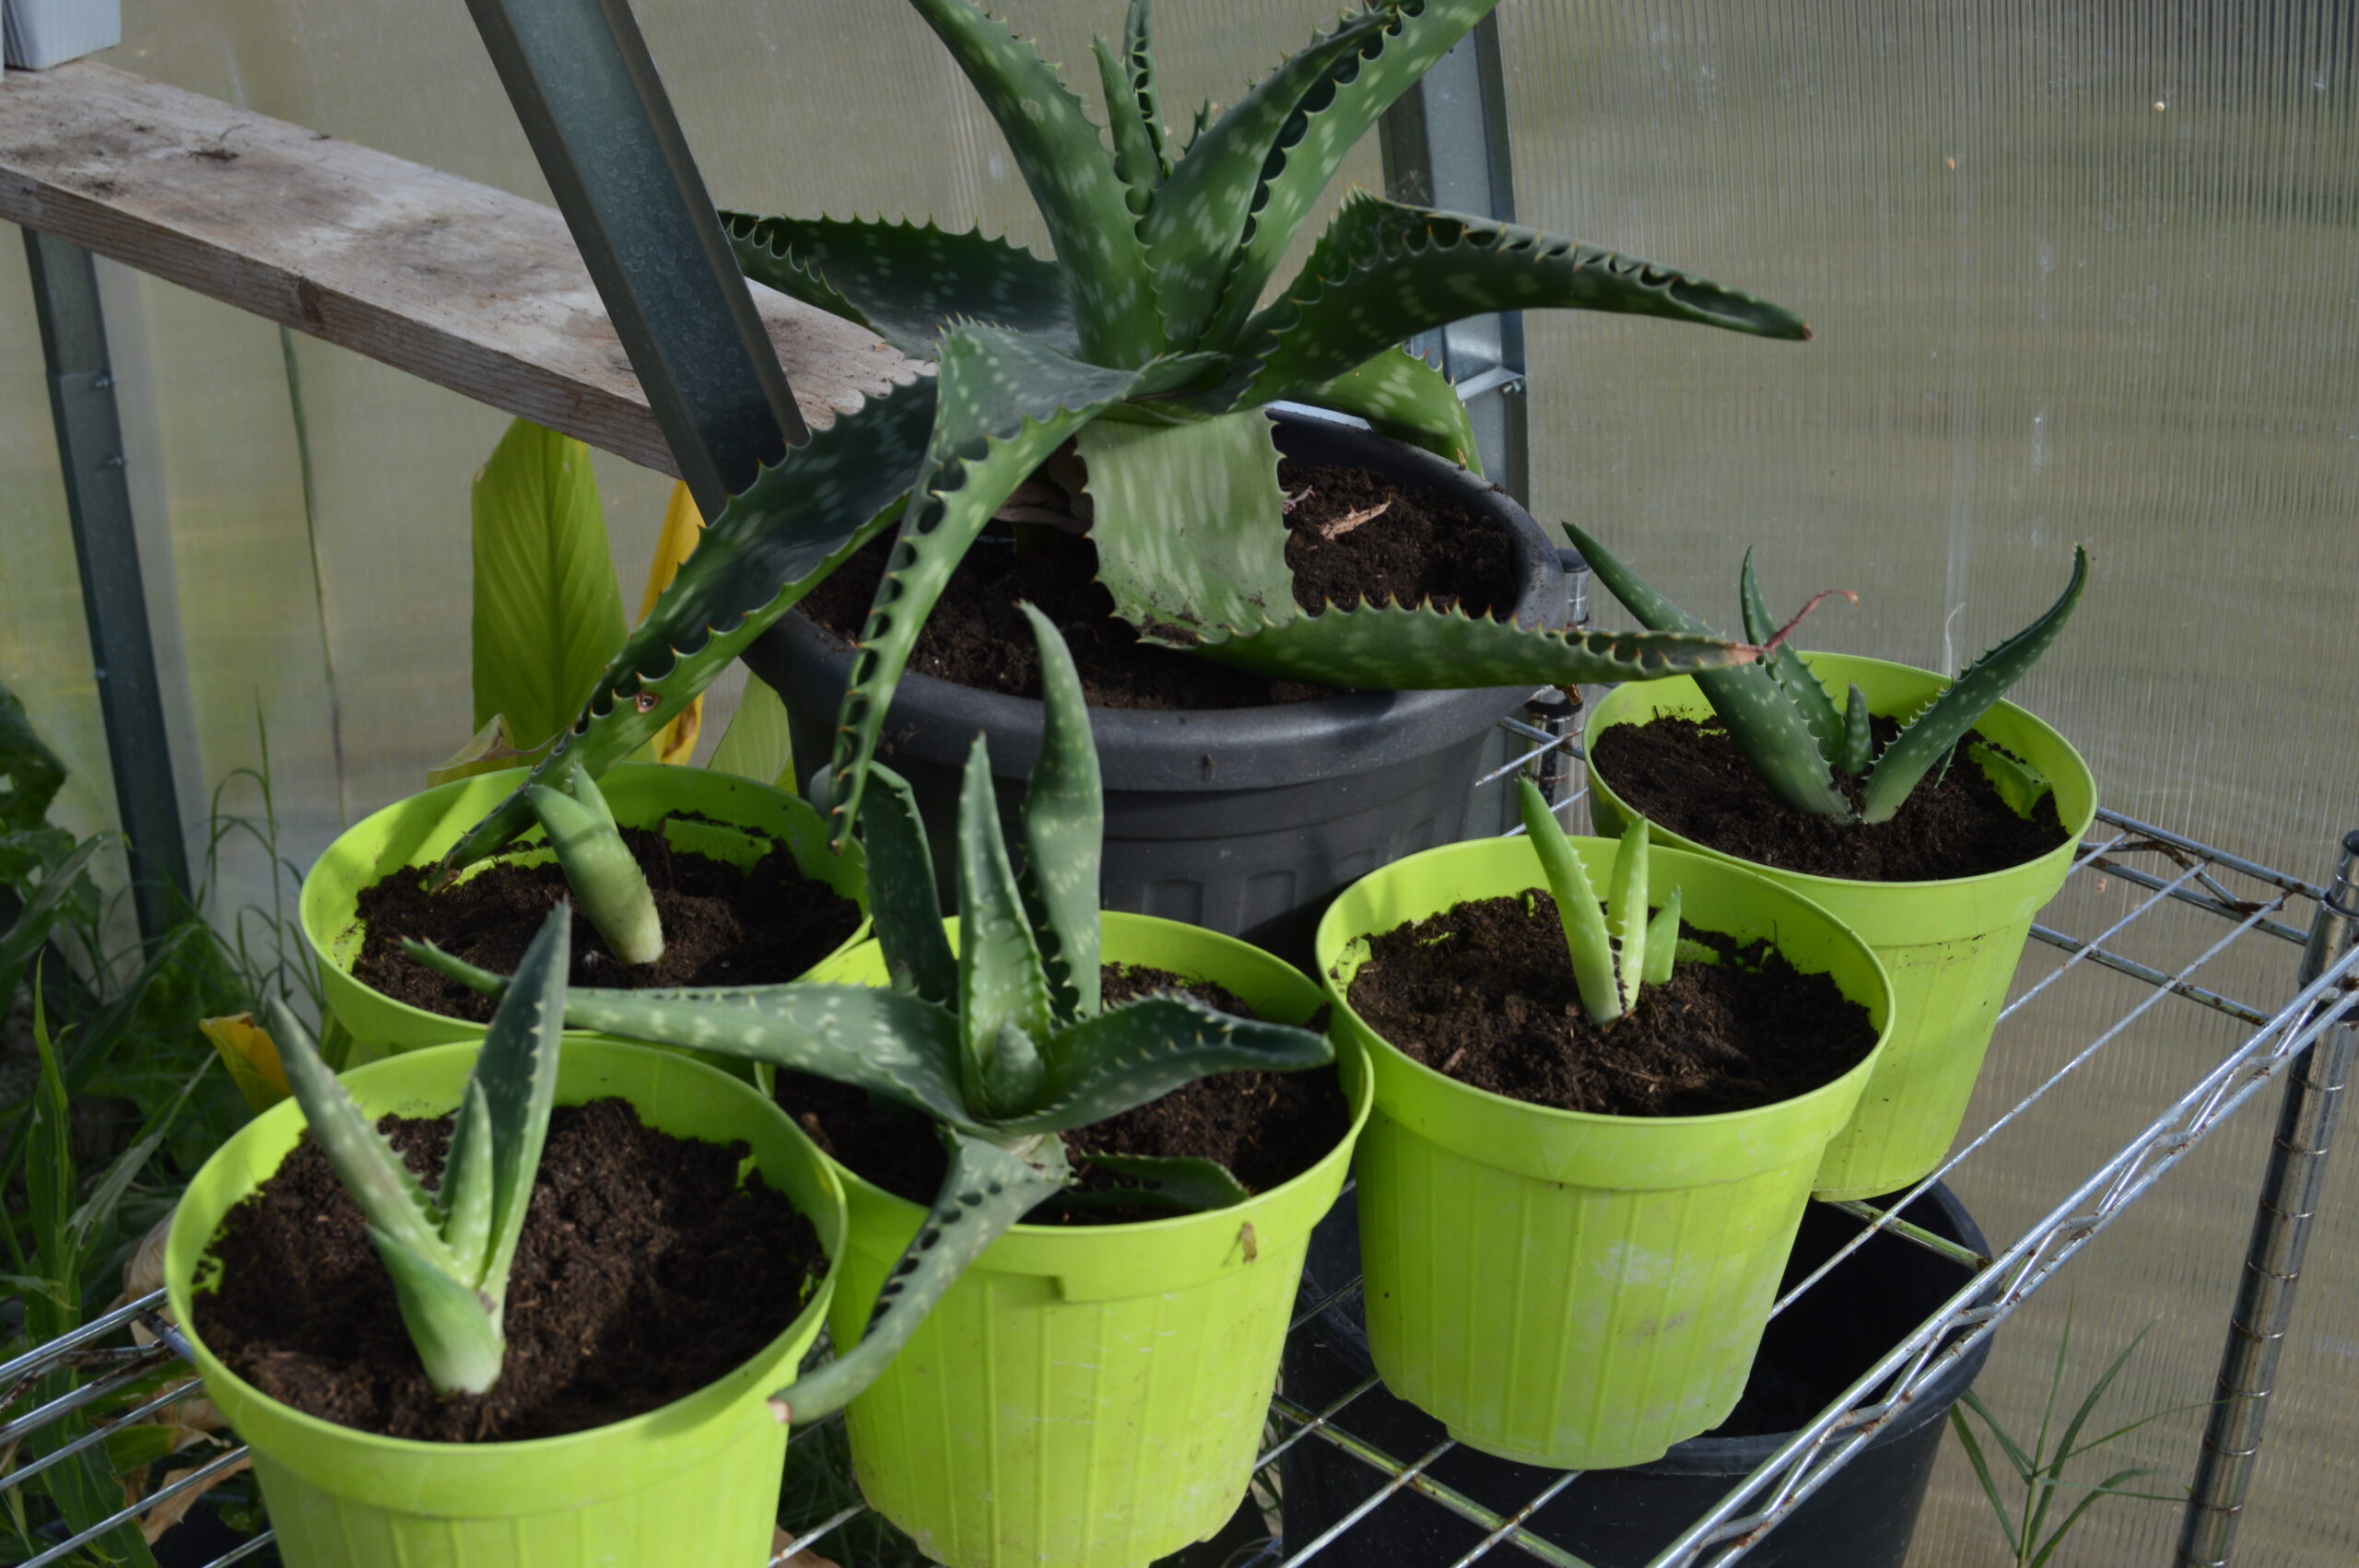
point(2129, 874)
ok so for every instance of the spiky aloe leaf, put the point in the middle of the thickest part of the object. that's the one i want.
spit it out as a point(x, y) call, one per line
point(987, 1189)
point(1311, 148)
point(1196, 228)
point(1188, 523)
point(905, 282)
point(783, 533)
point(1626, 909)
point(516, 1071)
point(457, 1337)
point(369, 1166)
point(600, 869)
point(1005, 403)
point(1762, 723)
point(903, 899)
point(1662, 941)
point(1586, 941)
point(1003, 989)
point(1403, 649)
point(1180, 1184)
point(1064, 832)
point(1401, 396)
point(1859, 737)
point(887, 1041)
point(1785, 667)
point(1138, 64)
point(1143, 1050)
point(1931, 733)
point(1073, 182)
point(1383, 272)
point(1137, 162)
point(466, 1190)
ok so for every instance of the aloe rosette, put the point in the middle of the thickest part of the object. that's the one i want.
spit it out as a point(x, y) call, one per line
point(1785, 724)
point(1002, 1045)
point(1145, 345)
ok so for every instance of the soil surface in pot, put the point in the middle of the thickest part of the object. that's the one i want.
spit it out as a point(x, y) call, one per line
point(1422, 545)
point(644, 1272)
point(1267, 1128)
point(1689, 776)
point(722, 926)
point(1483, 994)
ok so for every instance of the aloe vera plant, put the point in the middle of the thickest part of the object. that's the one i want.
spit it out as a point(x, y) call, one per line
point(1144, 342)
point(1616, 947)
point(1003, 1045)
point(449, 1250)
point(1801, 745)
point(600, 869)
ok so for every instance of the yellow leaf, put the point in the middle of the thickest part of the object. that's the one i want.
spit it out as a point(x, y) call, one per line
point(677, 741)
point(253, 1059)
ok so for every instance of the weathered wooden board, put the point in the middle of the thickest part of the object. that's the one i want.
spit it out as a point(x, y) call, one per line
point(468, 286)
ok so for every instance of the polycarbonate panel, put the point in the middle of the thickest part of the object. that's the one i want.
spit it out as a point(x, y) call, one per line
point(2076, 274)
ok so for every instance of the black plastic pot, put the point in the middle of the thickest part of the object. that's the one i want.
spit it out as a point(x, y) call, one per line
point(1247, 821)
point(1862, 1518)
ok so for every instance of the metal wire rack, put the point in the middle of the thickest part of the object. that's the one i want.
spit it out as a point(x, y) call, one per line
point(2125, 878)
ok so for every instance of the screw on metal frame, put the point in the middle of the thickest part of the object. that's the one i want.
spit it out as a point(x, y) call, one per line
point(2307, 1120)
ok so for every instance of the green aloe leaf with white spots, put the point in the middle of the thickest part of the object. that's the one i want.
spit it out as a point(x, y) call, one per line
point(1401, 396)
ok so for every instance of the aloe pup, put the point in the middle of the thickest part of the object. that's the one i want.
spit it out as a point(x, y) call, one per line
point(1004, 1045)
point(600, 869)
point(1799, 743)
point(1616, 949)
point(1144, 342)
point(449, 1249)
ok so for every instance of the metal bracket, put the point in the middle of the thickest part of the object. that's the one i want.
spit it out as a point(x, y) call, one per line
point(594, 110)
point(114, 600)
point(1445, 144)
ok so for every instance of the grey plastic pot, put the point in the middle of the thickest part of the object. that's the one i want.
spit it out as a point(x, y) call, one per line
point(1245, 821)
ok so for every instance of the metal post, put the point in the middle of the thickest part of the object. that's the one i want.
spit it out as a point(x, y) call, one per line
point(2281, 1233)
point(1445, 144)
point(586, 91)
point(114, 601)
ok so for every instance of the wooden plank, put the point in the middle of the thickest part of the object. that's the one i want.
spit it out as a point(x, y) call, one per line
point(468, 286)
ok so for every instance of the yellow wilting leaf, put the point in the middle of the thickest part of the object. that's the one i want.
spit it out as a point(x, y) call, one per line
point(252, 1057)
point(677, 741)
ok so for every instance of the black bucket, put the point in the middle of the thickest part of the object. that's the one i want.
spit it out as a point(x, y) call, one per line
point(1862, 1518)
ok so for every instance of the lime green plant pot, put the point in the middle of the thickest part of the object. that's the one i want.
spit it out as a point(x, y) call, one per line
point(1090, 1396)
point(1951, 947)
point(696, 1482)
point(1566, 1289)
point(747, 821)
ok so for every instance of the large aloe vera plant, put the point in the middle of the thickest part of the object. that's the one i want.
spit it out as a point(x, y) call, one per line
point(1146, 343)
point(1003, 1045)
point(1802, 746)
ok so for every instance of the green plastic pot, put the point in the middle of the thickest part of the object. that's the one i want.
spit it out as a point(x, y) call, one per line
point(1565, 1289)
point(1951, 947)
point(696, 1482)
point(1090, 1396)
point(420, 830)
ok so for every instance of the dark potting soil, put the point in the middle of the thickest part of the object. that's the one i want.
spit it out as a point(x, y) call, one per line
point(1689, 776)
point(644, 1272)
point(722, 926)
point(1424, 545)
point(1267, 1128)
point(1483, 994)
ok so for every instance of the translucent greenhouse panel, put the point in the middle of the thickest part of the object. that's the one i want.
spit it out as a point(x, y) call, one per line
point(2080, 274)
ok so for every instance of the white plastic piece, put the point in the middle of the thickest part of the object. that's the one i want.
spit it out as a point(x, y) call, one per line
point(37, 34)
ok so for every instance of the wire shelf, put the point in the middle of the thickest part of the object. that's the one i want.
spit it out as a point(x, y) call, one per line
point(2134, 888)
